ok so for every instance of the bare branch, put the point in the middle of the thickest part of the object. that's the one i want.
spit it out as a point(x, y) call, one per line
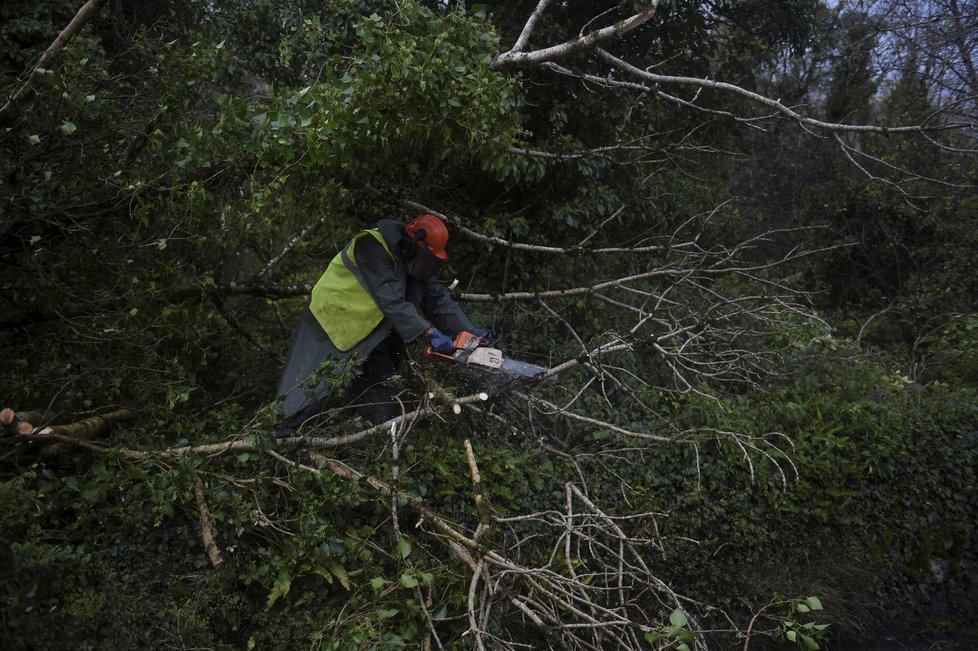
point(518, 58)
point(775, 105)
point(207, 525)
point(291, 244)
point(23, 93)
point(530, 24)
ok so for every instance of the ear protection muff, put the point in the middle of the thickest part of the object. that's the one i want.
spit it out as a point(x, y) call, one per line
point(408, 249)
point(411, 246)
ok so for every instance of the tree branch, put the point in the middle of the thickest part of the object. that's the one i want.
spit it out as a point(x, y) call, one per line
point(23, 93)
point(530, 24)
point(776, 105)
point(207, 525)
point(517, 58)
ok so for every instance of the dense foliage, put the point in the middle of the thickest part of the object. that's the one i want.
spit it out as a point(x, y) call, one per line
point(766, 408)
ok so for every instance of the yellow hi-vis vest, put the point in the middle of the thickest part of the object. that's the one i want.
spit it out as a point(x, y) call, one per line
point(340, 300)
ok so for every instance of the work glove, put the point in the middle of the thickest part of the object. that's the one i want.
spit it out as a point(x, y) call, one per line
point(441, 343)
point(485, 335)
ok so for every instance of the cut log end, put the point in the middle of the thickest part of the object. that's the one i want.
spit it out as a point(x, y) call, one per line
point(7, 416)
point(24, 428)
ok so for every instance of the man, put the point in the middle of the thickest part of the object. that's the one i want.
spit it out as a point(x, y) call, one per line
point(377, 293)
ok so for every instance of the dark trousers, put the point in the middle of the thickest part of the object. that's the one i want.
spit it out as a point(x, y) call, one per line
point(370, 394)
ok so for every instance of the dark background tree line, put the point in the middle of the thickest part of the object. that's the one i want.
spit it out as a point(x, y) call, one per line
point(741, 230)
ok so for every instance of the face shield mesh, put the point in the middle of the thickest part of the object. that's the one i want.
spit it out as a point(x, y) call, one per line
point(425, 265)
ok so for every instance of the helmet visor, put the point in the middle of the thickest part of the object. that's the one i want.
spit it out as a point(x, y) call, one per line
point(425, 265)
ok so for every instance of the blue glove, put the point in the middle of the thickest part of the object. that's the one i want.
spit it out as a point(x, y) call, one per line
point(485, 335)
point(441, 343)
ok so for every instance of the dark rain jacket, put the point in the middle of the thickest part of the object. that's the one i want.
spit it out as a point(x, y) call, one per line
point(409, 306)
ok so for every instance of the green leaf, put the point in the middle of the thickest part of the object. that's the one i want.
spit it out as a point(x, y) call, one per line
point(791, 635)
point(92, 495)
point(68, 128)
point(682, 647)
point(280, 588)
point(813, 603)
point(388, 613)
point(340, 573)
point(808, 643)
point(677, 618)
point(403, 547)
point(34, 140)
point(408, 581)
point(652, 637)
point(378, 582)
point(323, 572)
point(802, 608)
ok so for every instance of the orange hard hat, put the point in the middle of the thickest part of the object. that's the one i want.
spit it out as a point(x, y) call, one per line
point(431, 230)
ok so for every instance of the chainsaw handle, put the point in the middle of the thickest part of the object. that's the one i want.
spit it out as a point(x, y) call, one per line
point(431, 353)
point(463, 341)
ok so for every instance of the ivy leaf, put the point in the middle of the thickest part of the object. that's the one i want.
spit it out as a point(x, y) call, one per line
point(408, 581)
point(403, 547)
point(34, 140)
point(68, 128)
point(92, 495)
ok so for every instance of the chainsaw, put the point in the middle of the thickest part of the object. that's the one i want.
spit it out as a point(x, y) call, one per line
point(471, 349)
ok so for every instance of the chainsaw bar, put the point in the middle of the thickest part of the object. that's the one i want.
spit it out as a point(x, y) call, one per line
point(516, 367)
point(469, 352)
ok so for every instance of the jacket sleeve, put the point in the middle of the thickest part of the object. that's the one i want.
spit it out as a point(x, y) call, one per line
point(443, 311)
point(385, 281)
